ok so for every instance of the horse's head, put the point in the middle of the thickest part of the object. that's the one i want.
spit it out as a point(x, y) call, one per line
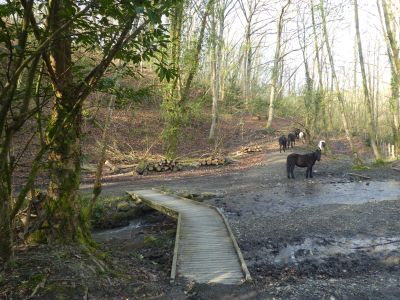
point(317, 154)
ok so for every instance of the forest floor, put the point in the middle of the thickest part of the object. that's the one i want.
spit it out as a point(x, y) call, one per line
point(330, 237)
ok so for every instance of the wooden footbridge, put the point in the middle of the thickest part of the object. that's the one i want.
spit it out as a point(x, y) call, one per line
point(205, 248)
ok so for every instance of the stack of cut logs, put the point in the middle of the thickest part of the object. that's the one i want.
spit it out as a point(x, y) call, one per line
point(163, 165)
point(212, 161)
point(249, 149)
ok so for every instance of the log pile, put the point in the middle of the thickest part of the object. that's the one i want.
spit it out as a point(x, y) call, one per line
point(212, 161)
point(164, 165)
point(249, 149)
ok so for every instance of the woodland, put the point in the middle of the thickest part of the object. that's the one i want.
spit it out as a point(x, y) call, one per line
point(150, 86)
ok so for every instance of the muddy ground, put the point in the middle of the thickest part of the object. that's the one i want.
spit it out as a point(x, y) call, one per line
point(330, 237)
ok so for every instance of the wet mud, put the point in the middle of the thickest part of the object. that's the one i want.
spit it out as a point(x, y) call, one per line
point(327, 237)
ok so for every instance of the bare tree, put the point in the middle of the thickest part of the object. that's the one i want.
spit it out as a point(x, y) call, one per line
point(367, 95)
point(220, 12)
point(275, 68)
point(249, 11)
point(339, 94)
point(389, 30)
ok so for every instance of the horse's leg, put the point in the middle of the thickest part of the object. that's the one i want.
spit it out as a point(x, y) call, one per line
point(288, 169)
point(307, 172)
point(291, 171)
point(311, 176)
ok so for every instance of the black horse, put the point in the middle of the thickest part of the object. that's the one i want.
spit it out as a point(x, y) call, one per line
point(297, 132)
point(282, 143)
point(291, 141)
point(302, 161)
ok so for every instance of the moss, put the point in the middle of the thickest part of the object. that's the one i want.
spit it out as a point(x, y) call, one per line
point(37, 237)
point(360, 168)
point(379, 163)
point(110, 212)
point(35, 279)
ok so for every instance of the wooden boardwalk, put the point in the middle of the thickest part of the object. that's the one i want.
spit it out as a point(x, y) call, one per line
point(205, 248)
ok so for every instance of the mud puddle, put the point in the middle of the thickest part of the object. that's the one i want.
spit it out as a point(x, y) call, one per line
point(344, 192)
point(385, 249)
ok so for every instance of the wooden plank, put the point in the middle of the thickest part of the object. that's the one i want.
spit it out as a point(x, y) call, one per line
point(176, 248)
point(242, 262)
point(204, 245)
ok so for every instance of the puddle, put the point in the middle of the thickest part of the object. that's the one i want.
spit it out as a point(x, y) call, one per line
point(321, 248)
point(288, 197)
point(346, 192)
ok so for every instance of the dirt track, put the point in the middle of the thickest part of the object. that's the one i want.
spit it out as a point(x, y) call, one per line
point(320, 238)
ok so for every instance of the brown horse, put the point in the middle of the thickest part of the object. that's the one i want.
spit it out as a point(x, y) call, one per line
point(302, 161)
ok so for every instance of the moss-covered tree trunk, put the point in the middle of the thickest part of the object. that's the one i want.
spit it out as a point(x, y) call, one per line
point(5, 200)
point(171, 110)
point(178, 95)
point(64, 133)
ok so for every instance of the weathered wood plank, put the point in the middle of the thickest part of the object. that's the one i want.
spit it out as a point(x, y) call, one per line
point(205, 248)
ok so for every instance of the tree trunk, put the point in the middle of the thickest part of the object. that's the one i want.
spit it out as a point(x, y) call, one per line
point(274, 77)
point(214, 74)
point(394, 58)
point(102, 160)
point(370, 117)
point(171, 109)
point(5, 202)
point(354, 152)
point(247, 65)
point(63, 205)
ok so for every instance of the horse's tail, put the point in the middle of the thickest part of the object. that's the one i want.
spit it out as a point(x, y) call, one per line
point(288, 166)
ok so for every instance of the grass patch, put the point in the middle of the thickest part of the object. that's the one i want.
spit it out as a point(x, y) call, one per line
point(360, 168)
point(151, 240)
point(379, 163)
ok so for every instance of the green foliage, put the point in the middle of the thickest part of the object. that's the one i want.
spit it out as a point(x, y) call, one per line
point(172, 113)
point(269, 131)
point(151, 240)
point(137, 255)
point(290, 106)
point(126, 96)
point(259, 105)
